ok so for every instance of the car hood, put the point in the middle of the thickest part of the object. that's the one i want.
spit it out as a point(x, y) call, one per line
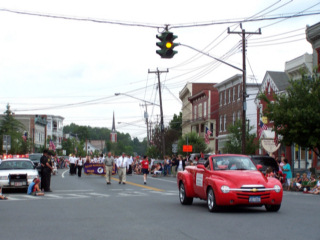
point(237, 178)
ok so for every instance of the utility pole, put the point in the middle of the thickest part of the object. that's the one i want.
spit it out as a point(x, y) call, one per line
point(244, 85)
point(161, 111)
point(146, 116)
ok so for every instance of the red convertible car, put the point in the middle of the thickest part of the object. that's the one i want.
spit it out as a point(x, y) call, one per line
point(229, 180)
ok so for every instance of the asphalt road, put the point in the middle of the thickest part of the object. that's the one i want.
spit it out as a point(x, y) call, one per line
point(87, 208)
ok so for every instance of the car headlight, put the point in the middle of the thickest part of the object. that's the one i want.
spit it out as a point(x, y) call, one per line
point(3, 177)
point(32, 177)
point(277, 188)
point(225, 189)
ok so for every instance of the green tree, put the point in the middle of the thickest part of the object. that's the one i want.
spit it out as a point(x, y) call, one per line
point(198, 143)
point(296, 114)
point(10, 126)
point(234, 142)
point(153, 152)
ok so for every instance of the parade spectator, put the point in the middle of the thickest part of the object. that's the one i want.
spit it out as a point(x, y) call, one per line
point(269, 172)
point(181, 164)
point(109, 163)
point(34, 188)
point(174, 163)
point(304, 182)
point(122, 164)
point(145, 168)
point(287, 170)
point(296, 182)
point(316, 188)
point(157, 170)
point(61, 162)
point(2, 197)
point(130, 161)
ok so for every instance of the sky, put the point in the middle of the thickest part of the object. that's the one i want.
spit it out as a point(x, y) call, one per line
point(73, 68)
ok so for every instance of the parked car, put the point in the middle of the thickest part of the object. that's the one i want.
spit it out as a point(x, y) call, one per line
point(35, 158)
point(229, 180)
point(265, 162)
point(17, 173)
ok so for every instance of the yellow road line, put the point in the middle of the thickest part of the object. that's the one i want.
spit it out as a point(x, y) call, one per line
point(140, 185)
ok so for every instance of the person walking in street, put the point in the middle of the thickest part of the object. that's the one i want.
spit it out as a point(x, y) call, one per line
point(174, 163)
point(122, 163)
point(145, 168)
point(80, 162)
point(46, 169)
point(109, 163)
point(72, 164)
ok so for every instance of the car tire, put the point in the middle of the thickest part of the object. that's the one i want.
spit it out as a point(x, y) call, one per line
point(211, 201)
point(272, 208)
point(184, 200)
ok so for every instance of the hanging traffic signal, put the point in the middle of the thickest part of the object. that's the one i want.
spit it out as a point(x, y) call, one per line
point(166, 44)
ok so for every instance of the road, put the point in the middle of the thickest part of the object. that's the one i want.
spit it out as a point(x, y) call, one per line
point(87, 208)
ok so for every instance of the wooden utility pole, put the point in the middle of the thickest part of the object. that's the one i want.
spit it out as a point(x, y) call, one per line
point(161, 111)
point(244, 85)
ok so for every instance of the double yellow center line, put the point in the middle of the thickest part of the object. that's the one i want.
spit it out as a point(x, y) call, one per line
point(140, 185)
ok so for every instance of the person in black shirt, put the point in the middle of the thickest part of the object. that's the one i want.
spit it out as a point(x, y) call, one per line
point(46, 168)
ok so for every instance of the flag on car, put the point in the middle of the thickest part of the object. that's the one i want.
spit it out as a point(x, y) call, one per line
point(207, 135)
point(262, 128)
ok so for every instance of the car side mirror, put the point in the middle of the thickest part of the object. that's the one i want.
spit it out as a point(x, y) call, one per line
point(201, 166)
point(259, 167)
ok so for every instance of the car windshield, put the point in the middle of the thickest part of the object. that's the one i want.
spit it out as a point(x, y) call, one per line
point(233, 163)
point(16, 165)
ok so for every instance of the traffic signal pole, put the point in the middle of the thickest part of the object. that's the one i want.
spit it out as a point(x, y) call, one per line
point(161, 111)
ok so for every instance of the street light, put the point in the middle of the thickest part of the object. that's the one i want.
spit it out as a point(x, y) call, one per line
point(146, 103)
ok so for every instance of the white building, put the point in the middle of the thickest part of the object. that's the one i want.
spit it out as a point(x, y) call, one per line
point(55, 130)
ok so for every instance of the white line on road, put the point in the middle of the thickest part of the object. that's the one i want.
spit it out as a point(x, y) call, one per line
point(62, 175)
point(84, 190)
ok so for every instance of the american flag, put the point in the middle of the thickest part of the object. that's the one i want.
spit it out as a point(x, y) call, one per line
point(207, 135)
point(52, 146)
point(262, 128)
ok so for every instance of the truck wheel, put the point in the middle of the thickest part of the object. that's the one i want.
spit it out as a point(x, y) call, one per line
point(211, 201)
point(184, 200)
point(272, 208)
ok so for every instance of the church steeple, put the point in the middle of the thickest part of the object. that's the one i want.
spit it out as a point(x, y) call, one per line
point(113, 134)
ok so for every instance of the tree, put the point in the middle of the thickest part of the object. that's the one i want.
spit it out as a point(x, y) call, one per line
point(233, 144)
point(198, 143)
point(11, 126)
point(296, 114)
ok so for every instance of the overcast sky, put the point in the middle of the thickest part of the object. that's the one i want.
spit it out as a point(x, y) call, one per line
point(72, 68)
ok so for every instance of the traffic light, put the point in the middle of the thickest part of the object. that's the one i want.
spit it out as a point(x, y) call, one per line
point(166, 44)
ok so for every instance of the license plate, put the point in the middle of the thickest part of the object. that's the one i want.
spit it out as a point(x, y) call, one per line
point(254, 199)
point(18, 184)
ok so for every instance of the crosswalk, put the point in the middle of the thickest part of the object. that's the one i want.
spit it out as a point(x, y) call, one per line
point(65, 195)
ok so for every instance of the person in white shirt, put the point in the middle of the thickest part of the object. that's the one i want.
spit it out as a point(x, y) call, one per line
point(122, 164)
point(80, 163)
point(72, 161)
point(130, 161)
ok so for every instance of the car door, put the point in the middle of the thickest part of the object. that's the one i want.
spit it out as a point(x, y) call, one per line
point(200, 178)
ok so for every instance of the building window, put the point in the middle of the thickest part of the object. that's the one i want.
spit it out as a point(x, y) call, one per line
point(239, 114)
point(225, 122)
point(195, 112)
point(225, 97)
point(221, 99)
point(211, 129)
point(239, 89)
point(229, 95)
point(200, 110)
point(234, 93)
point(205, 109)
point(233, 118)
point(220, 123)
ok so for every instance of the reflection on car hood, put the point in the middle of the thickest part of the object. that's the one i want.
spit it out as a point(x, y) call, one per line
point(242, 177)
point(6, 172)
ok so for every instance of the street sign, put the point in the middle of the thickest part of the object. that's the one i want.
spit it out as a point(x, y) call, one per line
point(187, 148)
point(174, 148)
point(6, 143)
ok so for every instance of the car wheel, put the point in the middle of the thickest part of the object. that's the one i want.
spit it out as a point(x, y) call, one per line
point(184, 200)
point(211, 201)
point(272, 208)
